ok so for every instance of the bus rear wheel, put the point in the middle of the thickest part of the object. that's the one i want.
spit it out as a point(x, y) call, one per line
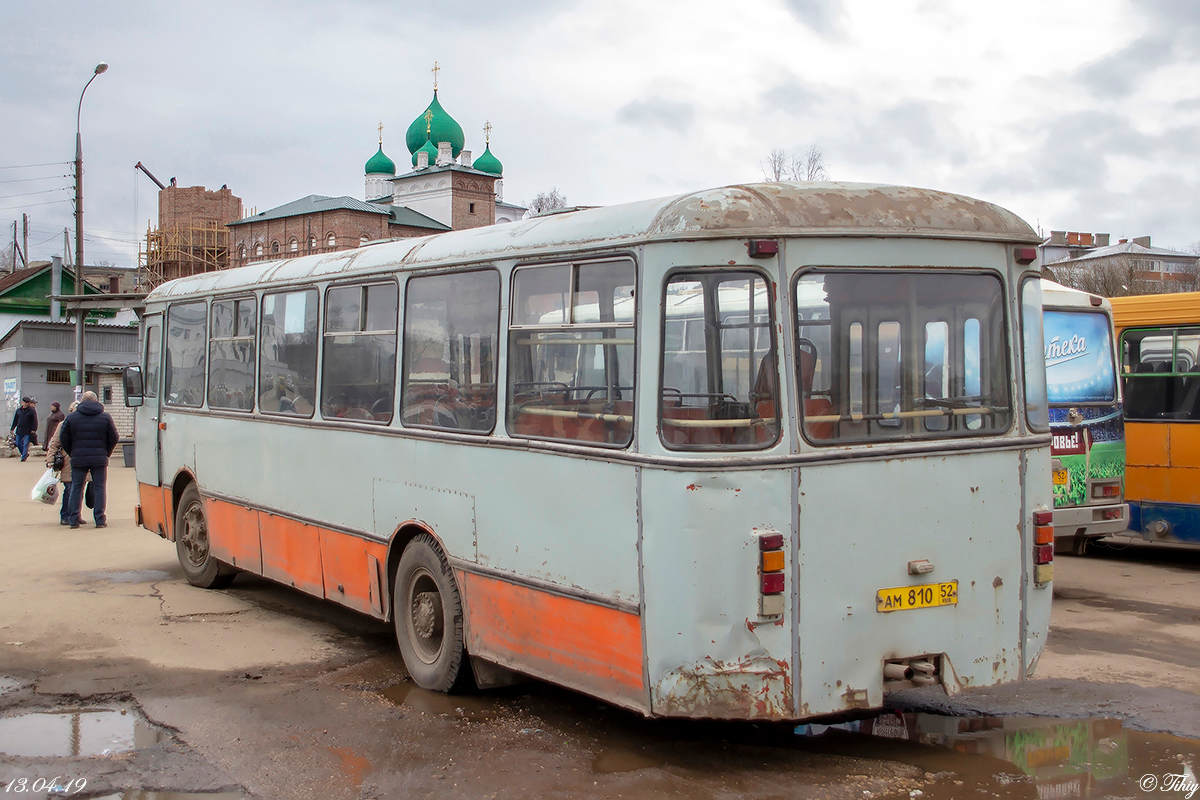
point(193, 547)
point(427, 611)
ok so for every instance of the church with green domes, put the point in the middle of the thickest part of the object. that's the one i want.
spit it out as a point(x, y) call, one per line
point(444, 182)
point(439, 187)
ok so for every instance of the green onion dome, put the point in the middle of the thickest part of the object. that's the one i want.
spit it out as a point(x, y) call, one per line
point(441, 128)
point(379, 163)
point(488, 162)
point(428, 147)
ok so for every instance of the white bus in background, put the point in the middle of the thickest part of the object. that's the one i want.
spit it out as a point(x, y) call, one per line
point(1088, 444)
point(759, 452)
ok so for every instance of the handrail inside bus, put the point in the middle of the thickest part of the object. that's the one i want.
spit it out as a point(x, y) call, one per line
point(747, 422)
point(932, 412)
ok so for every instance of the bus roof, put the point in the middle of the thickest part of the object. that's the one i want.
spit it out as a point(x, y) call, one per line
point(745, 210)
point(1055, 295)
point(1156, 309)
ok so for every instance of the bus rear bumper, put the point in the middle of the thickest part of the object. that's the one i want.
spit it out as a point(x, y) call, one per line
point(1090, 521)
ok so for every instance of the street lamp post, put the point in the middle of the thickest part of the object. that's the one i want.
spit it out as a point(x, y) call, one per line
point(101, 68)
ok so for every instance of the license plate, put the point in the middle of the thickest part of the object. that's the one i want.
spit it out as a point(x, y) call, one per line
point(1062, 477)
point(929, 595)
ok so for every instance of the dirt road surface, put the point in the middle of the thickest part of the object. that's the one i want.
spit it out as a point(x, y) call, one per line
point(114, 671)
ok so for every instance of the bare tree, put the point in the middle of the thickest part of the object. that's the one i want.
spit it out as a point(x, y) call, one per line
point(812, 167)
point(546, 201)
point(780, 165)
point(777, 166)
point(1112, 276)
point(7, 256)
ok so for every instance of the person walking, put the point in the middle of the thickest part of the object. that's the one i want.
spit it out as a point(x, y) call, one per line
point(54, 447)
point(56, 416)
point(89, 436)
point(24, 423)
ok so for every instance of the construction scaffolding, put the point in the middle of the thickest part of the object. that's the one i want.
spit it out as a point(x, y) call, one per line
point(182, 250)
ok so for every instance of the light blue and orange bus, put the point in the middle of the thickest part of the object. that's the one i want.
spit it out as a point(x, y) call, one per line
point(1088, 448)
point(1160, 351)
point(684, 455)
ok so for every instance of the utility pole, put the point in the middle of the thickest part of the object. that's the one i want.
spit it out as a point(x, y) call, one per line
point(25, 239)
point(80, 314)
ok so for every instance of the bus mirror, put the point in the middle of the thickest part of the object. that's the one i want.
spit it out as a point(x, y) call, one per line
point(133, 387)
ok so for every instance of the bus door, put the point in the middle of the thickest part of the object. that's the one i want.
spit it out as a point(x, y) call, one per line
point(148, 436)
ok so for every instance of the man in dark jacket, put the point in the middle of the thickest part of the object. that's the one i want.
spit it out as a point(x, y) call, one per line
point(56, 416)
point(89, 436)
point(23, 425)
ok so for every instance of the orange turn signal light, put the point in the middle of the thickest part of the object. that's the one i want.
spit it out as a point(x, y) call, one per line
point(772, 561)
point(1043, 534)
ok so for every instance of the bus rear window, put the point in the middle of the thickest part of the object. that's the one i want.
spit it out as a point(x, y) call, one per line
point(901, 355)
point(720, 379)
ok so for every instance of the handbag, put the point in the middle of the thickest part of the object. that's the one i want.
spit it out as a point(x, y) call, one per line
point(59, 461)
point(89, 498)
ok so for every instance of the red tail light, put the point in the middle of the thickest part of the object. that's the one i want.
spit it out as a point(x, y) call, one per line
point(1043, 518)
point(1043, 553)
point(772, 583)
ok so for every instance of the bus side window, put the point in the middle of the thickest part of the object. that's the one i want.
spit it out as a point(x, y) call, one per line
point(153, 357)
point(571, 352)
point(451, 326)
point(358, 373)
point(287, 354)
point(231, 355)
point(186, 350)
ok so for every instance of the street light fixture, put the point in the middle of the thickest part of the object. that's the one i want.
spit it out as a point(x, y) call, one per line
point(101, 68)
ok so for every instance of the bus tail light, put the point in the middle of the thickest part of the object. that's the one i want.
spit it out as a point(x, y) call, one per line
point(1100, 490)
point(771, 564)
point(772, 583)
point(1043, 547)
point(1111, 513)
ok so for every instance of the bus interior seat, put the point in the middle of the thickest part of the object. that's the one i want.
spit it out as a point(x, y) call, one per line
point(813, 406)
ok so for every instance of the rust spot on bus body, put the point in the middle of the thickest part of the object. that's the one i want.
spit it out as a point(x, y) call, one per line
point(753, 687)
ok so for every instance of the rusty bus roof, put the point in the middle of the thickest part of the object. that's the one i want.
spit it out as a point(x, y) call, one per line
point(744, 210)
point(1178, 308)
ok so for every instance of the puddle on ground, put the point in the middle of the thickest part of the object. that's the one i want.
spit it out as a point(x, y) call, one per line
point(76, 732)
point(1009, 756)
point(1039, 758)
point(9, 684)
point(409, 696)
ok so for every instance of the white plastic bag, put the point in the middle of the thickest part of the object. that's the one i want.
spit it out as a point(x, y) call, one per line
point(46, 489)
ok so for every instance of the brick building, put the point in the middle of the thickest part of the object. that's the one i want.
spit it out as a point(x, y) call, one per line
point(192, 236)
point(319, 224)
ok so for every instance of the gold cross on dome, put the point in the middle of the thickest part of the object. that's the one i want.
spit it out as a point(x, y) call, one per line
point(487, 132)
point(435, 72)
point(381, 133)
point(428, 121)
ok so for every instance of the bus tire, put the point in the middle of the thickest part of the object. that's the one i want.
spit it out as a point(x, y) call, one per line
point(193, 546)
point(427, 612)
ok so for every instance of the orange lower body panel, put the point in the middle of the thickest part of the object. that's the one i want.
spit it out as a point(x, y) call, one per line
point(155, 502)
point(589, 647)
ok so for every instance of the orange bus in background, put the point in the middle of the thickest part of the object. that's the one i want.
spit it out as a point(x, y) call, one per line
point(1159, 341)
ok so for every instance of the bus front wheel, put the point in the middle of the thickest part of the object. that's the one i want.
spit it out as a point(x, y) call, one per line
point(193, 546)
point(427, 611)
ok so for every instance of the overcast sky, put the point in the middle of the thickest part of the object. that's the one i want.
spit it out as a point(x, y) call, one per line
point(1075, 115)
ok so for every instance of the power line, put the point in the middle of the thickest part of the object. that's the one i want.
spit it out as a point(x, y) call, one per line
point(31, 205)
point(30, 180)
point(30, 194)
point(30, 166)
